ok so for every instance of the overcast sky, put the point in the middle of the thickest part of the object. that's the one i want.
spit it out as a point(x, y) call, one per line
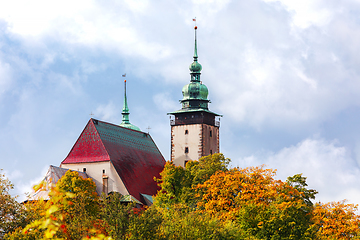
point(284, 74)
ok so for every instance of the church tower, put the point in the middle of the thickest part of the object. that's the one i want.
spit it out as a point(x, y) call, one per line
point(194, 129)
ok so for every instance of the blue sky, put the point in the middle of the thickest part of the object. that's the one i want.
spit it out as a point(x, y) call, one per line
point(283, 73)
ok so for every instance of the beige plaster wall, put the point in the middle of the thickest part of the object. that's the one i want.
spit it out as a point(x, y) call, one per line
point(180, 140)
point(95, 171)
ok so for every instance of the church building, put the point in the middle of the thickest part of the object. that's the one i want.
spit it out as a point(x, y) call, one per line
point(194, 128)
point(122, 158)
point(119, 158)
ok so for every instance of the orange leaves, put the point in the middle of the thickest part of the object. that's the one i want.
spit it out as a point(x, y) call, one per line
point(254, 202)
point(227, 191)
point(262, 206)
point(336, 220)
point(269, 208)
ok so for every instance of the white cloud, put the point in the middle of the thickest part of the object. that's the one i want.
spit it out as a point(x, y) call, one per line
point(66, 84)
point(25, 188)
point(301, 79)
point(6, 77)
point(271, 75)
point(108, 112)
point(36, 17)
point(209, 7)
point(13, 175)
point(138, 6)
point(86, 23)
point(308, 12)
point(165, 101)
point(329, 168)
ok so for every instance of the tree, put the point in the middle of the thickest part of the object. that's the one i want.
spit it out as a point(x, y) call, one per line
point(262, 207)
point(178, 184)
point(78, 203)
point(146, 224)
point(202, 170)
point(299, 183)
point(182, 222)
point(116, 215)
point(172, 184)
point(70, 213)
point(12, 215)
point(336, 220)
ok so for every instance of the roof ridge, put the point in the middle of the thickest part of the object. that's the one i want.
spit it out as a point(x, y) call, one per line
point(113, 124)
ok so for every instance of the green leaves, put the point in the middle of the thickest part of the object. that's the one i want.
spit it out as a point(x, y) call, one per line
point(299, 183)
point(204, 200)
point(12, 215)
point(178, 184)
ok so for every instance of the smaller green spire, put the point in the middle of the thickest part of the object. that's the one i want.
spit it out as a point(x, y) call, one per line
point(125, 113)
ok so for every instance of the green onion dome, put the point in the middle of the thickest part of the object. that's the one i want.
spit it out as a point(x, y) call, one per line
point(195, 67)
point(195, 90)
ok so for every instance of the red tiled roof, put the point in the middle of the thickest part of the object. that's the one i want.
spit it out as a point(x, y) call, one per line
point(134, 154)
point(88, 148)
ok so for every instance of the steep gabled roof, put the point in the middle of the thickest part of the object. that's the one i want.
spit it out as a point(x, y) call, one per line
point(89, 147)
point(134, 154)
point(52, 176)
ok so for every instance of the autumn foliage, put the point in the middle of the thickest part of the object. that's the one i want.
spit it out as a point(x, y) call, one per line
point(252, 203)
point(205, 200)
point(262, 206)
point(336, 220)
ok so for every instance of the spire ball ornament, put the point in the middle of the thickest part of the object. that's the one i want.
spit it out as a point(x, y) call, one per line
point(195, 67)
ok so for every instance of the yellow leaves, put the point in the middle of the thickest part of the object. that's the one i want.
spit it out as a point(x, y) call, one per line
point(51, 210)
point(40, 186)
point(70, 213)
point(70, 195)
point(336, 220)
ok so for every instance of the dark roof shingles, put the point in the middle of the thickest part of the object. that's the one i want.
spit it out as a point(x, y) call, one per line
point(134, 154)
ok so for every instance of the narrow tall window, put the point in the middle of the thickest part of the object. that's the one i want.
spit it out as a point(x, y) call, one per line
point(84, 170)
point(186, 131)
point(210, 133)
point(105, 184)
point(186, 150)
point(103, 171)
point(210, 151)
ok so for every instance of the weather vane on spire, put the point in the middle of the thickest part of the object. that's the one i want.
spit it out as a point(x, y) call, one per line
point(194, 19)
